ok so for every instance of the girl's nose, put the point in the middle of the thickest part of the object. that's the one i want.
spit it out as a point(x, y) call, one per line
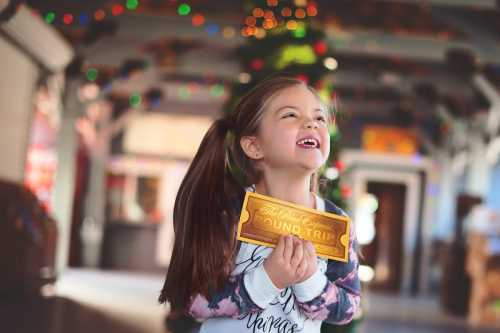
point(311, 123)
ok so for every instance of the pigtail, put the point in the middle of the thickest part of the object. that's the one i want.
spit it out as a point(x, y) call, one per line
point(204, 229)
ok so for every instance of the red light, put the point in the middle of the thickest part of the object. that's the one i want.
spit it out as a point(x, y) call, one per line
point(68, 18)
point(320, 48)
point(117, 10)
point(198, 20)
point(340, 165)
point(303, 78)
point(346, 191)
point(312, 10)
point(257, 64)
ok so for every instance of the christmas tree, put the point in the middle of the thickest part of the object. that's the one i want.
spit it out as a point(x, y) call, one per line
point(283, 37)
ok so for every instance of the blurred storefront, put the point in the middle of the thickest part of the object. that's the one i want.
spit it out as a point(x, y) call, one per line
point(147, 158)
point(142, 183)
point(33, 57)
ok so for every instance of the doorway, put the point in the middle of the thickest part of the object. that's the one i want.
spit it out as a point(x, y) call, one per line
point(385, 253)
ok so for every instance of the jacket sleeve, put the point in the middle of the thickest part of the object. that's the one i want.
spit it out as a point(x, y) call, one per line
point(243, 293)
point(333, 296)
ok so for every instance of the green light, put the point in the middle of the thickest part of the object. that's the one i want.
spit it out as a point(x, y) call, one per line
point(50, 17)
point(300, 31)
point(324, 95)
point(184, 93)
point(132, 4)
point(217, 90)
point(332, 129)
point(298, 54)
point(135, 100)
point(184, 9)
point(92, 74)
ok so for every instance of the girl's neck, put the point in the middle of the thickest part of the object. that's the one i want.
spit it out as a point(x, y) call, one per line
point(296, 191)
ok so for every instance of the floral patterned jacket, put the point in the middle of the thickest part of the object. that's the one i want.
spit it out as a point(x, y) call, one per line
point(251, 303)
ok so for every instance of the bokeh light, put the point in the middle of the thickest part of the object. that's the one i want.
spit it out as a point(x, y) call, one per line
point(50, 17)
point(184, 9)
point(198, 19)
point(135, 100)
point(68, 18)
point(117, 10)
point(92, 74)
point(99, 15)
point(132, 4)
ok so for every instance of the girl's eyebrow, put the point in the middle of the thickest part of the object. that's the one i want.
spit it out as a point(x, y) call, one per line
point(296, 108)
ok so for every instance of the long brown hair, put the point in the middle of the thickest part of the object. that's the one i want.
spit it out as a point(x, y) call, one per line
point(204, 226)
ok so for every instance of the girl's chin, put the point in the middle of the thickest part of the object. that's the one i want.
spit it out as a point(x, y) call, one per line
point(312, 166)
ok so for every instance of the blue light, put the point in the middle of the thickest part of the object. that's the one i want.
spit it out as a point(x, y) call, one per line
point(212, 28)
point(84, 18)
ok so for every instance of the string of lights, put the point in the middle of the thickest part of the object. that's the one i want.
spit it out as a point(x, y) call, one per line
point(56, 16)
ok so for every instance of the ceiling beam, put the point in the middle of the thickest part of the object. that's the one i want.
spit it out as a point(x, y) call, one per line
point(484, 4)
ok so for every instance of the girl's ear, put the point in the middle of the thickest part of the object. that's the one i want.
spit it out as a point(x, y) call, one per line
point(250, 147)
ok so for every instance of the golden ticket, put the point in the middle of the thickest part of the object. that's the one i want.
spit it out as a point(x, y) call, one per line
point(263, 219)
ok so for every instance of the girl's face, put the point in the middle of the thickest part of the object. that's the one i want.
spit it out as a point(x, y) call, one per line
point(294, 131)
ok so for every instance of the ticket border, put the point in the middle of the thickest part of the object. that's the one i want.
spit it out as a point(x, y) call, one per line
point(242, 218)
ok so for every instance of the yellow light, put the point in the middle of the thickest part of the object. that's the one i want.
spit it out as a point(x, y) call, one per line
point(251, 31)
point(268, 24)
point(324, 95)
point(298, 54)
point(366, 273)
point(291, 25)
point(228, 32)
point(244, 77)
point(261, 33)
point(330, 63)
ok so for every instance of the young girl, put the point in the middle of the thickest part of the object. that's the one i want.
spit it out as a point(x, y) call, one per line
point(278, 138)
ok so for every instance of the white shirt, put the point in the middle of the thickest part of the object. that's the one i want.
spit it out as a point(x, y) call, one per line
point(280, 314)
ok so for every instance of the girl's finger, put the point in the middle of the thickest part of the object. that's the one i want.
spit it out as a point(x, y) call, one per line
point(288, 249)
point(296, 240)
point(298, 254)
point(302, 268)
point(280, 246)
point(310, 249)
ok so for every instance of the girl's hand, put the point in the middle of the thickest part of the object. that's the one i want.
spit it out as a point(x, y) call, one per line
point(309, 263)
point(283, 263)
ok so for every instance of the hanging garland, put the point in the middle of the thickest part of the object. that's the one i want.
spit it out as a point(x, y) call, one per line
point(199, 20)
point(54, 16)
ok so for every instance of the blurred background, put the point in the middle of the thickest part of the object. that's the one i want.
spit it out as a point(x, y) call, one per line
point(103, 105)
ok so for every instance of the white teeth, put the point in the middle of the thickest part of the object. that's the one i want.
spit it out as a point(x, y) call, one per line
point(313, 142)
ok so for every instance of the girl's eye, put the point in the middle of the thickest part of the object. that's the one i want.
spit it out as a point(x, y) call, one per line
point(321, 118)
point(290, 114)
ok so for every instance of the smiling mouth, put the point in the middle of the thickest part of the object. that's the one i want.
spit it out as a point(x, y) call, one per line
point(308, 143)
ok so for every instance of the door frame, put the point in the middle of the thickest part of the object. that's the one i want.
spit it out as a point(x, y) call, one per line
point(363, 167)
